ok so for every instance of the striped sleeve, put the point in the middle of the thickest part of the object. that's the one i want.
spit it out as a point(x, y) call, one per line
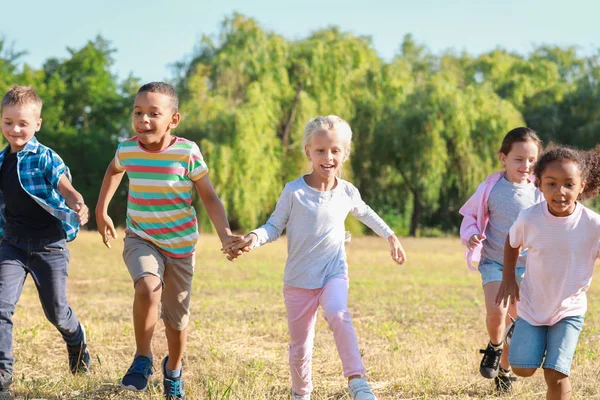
point(118, 163)
point(196, 166)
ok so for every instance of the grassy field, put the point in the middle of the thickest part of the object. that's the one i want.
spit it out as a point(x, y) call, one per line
point(419, 326)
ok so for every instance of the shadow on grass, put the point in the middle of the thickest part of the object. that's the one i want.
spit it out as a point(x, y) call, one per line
point(106, 392)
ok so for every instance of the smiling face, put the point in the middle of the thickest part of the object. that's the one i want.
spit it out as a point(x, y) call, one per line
point(561, 184)
point(520, 160)
point(153, 118)
point(19, 125)
point(326, 153)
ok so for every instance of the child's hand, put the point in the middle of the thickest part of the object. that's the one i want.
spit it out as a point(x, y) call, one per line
point(83, 212)
point(245, 244)
point(475, 241)
point(228, 246)
point(396, 250)
point(508, 289)
point(106, 228)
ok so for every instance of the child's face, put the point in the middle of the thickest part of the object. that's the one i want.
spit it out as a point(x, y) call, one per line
point(561, 184)
point(519, 161)
point(327, 153)
point(153, 118)
point(19, 125)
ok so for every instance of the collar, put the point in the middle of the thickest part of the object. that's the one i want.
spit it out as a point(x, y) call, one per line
point(32, 146)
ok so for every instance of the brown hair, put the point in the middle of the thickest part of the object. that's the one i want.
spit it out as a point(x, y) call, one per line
point(22, 96)
point(521, 134)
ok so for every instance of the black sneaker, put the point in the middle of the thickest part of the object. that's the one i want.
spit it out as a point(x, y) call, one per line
point(5, 380)
point(504, 382)
point(79, 357)
point(490, 361)
point(173, 387)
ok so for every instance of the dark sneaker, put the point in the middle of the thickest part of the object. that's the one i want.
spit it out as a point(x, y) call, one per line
point(490, 361)
point(173, 387)
point(5, 380)
point(138, 374)
point(504, 382)
point(79, 357)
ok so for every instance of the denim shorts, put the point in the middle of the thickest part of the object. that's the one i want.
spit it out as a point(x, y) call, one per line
point(491, 271)
point(553, 344)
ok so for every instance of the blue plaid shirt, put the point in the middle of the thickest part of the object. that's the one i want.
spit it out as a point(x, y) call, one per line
point(40, 169)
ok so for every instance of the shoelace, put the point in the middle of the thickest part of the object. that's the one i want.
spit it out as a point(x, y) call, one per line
point(490, 353)
point(174, 388)
point(141, 366)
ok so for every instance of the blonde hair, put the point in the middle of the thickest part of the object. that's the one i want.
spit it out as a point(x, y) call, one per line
point(22, 96)
point(328, 123)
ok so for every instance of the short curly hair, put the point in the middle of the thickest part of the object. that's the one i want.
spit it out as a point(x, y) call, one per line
point(587, 161)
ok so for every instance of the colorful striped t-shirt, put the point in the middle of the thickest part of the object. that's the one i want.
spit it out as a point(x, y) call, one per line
point(159, 205)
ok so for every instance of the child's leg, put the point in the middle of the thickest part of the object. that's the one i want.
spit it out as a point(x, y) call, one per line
point(301, 306)
point(562, 342)
point(146, 265)
point(148, 291)
point(527, 348)
point(559, 386)
point(48, 264)
point(495, 320)
point(12, 277)
point(178, 276)
point(334, 300)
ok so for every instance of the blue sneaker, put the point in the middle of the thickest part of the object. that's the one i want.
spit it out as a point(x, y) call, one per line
point(173, 387)
point(138, 374)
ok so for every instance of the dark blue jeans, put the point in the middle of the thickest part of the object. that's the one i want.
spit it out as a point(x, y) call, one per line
point(47, 261)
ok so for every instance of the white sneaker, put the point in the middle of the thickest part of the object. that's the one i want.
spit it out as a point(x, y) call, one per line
point(300, 396)
point(360, 389)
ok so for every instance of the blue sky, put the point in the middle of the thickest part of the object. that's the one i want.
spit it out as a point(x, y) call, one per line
point(149, 35)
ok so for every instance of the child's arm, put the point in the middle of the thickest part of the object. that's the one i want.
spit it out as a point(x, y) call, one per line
point(367, 216)
point(216, 212)
point(110, 184)
point(274, 227)
point(74, 199)
point(469, 231)
point(508, 287)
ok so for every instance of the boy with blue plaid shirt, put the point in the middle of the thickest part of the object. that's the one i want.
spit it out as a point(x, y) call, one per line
point(40, 212)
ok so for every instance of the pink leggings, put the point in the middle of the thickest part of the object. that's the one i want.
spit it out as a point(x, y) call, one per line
point(301, 306)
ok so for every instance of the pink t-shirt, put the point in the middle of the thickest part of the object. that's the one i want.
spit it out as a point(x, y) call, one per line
point(560, 262)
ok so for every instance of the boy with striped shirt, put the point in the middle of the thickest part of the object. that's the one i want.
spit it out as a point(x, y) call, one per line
point(161, 228)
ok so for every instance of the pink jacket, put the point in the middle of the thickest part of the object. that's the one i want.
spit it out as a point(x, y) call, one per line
point(475, 213)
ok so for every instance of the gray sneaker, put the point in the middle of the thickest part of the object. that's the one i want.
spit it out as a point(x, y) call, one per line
point(300, 396)
point(360, 389)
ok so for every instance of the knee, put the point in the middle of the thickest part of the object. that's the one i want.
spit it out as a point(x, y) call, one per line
point(524, 372)
point(336, 317)
point(553, 377)
point(148, 289)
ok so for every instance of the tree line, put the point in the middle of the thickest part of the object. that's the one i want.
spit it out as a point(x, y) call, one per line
point(427, 127)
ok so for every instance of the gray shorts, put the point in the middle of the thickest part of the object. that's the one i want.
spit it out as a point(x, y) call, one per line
point(144, 258)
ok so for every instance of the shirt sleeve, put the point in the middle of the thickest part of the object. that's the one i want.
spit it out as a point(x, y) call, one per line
point(274, 227)
point(197, 168)
point(54, 168)
point(118, 162)
point(366, 215)
point(517, 232)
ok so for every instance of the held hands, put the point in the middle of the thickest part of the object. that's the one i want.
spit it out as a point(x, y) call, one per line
point(106, 228)
point(396, 250)
point(234, 248)
point(508, 289)
point(475, 241)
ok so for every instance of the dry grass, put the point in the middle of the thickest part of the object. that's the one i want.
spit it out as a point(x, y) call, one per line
point(419, 328)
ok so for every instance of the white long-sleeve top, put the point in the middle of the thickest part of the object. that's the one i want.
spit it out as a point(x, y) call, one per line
point(314, 223)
